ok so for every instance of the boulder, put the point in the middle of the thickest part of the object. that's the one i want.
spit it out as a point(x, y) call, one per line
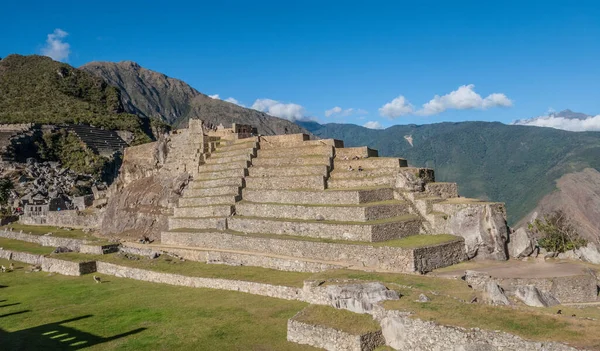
point(531, 296)
point(590, 253)
point(570, 255)
point(423, 298)
point(409, 181)
point(521, 243)
point(494, 294)
point(359, 298)
point(477, 280)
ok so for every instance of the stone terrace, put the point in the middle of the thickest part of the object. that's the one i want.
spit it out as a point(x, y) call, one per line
point(289, 202)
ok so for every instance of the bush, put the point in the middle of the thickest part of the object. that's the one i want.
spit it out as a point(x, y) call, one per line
point(556, 233)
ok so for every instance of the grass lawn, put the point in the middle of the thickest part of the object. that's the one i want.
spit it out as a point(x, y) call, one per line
point(124, 314)
point(531, 323)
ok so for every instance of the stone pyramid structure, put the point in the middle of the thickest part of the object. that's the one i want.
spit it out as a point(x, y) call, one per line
point(291, 203)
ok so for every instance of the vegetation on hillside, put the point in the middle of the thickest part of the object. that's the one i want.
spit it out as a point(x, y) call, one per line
point(557, 233)
point(66, 148)
point(517, 165)
point(36, 89)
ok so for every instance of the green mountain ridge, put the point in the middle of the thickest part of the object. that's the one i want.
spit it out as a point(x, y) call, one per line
point(514, 164)
point(154, 95)
point(37, 89)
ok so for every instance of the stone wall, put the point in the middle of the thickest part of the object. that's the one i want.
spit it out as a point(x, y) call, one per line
point(332, 339)
point(389, 258)
point(66, 218)
point(49, 264)
point(44, 240)
point(567, 289)
point(281, 292)
point(405, 333)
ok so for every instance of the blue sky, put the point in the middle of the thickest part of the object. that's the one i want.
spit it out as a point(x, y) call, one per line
point(503, 60)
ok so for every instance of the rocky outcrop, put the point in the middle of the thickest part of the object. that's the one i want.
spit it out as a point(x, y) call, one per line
point(493, 294)
point(531, 296)
point(590, 253)
point(359, 298)
point(520, 244)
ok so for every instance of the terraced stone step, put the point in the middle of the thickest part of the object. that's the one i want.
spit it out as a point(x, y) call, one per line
point(197, 223)
point(443, 190)
point(240, 146)
point(391, 256)
point(235, 152)
point(218, 167)
point(291, 161)
point(228, 173)
point(208, 200)
point(344, 173)
point(361, 151)
point(204, 211)
point(325, 150)
point(392, 228)
point(201, 184)
point(371, 162)
point(313, 182)
point(359, 213)
point(222, 190)
point(299, 143)
point(332, 197)
point(217, 159)
point(245, 258)
point(274, 171)
point(346, 183)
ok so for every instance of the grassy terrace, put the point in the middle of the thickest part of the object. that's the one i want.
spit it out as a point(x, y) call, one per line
point(409, 242)
point(57, 232)
point(127, 314)
point(531, 323)
point(343, 320)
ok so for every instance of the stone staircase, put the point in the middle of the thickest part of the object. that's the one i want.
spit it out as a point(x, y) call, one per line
point(290, 203)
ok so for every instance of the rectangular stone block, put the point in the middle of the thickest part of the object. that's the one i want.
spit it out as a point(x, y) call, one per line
point(371, 162)
point(197, 223)
point(217, 167)
point(209, 200)
point(216, 191)
point(228, 173)
point(443, 190)
point(396, 228)
point(250, 144)
point(362, 213)
point(292, 161)
point(283, 139)
point(280, 171)
point(234, 152)
point(323, 150)
point(204, 211)
point(213, 183)
point(217, 159)
point(350, 152)
point(316, 182)
point(332, 197)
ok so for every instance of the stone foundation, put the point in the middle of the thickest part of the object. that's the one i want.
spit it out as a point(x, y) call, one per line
point(332, 339)
point(67, 218)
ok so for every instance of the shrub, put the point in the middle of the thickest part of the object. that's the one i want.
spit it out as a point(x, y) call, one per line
point(556, 233)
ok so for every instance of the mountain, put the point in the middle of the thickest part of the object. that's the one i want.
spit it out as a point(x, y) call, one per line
point(518, 165)
point(152, 94)
point(36, 89)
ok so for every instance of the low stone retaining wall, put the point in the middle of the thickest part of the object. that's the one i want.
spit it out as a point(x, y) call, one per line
point(281, 292)
point(99, 249)
point(332, 339)
point(66, 218)
point(568, 289)
point(49, 264)
point(44, 240)
point(409, 334)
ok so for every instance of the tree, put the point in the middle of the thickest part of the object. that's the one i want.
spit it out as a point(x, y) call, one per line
point(556, 233)
point(6, 185)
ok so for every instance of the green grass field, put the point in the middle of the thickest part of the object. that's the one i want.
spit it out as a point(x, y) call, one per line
point(126, 314)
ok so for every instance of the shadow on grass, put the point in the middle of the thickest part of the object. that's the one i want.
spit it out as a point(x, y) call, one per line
point(10, 304)
point(13, 313)
point(55, 336)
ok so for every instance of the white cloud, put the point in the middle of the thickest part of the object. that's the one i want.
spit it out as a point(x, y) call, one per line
point(373, 125)
point(333, 111)
point(56, 47)
point(340, 112)
point(592, 123)
point(234, 101)
point(288, 111)
point(461, 99)
point(396, 108)
point(215, 96)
